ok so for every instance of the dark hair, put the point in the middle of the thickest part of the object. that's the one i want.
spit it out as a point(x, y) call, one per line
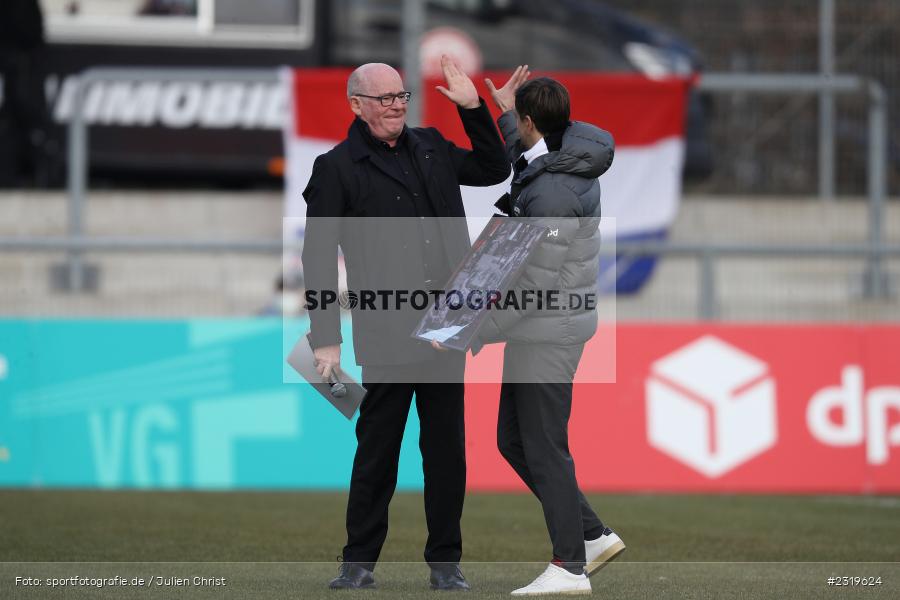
point(546, 101)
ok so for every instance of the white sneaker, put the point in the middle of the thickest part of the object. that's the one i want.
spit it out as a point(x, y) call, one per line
point(598, 553)
point(556, 580)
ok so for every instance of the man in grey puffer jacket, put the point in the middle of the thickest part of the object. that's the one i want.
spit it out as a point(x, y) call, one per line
point(557, 163)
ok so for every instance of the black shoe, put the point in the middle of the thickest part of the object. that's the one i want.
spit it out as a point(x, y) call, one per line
point(352, 576)
point(448, 577)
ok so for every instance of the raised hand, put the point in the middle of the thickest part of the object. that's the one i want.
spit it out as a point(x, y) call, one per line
point(460, 89)
point(505, 97)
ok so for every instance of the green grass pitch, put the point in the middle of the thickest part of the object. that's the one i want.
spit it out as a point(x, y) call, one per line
point(283, 544)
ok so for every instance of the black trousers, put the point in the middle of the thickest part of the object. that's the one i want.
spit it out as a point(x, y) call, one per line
point(438, 389)
point(533, 437)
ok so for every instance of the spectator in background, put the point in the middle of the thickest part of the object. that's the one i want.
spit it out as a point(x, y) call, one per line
point(286, 300)
point(24, 143)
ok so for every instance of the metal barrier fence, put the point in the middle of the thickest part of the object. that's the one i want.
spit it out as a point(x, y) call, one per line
point(78, 134)
point(705, 254)
point(875, 279)
point(754, 138)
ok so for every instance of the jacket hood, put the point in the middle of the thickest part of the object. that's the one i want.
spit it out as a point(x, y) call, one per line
point(586, 151)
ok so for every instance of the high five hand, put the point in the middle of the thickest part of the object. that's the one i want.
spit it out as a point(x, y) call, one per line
point(505, 97)
point(460, 89)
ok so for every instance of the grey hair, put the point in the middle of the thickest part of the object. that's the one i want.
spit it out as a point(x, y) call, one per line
point(355, 82)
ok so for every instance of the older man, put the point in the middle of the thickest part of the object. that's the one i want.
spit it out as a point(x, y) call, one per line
point(384, 169)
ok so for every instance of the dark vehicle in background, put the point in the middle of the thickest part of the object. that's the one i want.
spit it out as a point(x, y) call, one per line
point(233, 131)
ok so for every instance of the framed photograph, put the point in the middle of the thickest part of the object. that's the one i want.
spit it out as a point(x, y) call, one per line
point(491, 266)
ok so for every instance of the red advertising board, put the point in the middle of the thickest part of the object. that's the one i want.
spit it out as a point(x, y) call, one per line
point(726, 408)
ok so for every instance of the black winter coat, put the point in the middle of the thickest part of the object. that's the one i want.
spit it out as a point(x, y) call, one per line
point(560, 191)
point(352, 180)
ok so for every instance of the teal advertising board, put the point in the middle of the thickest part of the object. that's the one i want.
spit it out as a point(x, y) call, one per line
point(198, 404)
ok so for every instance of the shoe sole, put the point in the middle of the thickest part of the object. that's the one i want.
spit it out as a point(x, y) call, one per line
point(370, 586)
point(567, 593)
point(451, 590)
point(611, 554)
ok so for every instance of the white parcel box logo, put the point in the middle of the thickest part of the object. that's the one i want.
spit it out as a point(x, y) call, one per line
point(711, 406)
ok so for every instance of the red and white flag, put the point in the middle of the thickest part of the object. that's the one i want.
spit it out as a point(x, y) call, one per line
point(646, 117)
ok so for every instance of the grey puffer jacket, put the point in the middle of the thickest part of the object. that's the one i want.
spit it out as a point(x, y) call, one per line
point(559, 191)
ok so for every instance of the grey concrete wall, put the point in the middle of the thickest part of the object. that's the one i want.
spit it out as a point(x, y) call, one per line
point(159, 285)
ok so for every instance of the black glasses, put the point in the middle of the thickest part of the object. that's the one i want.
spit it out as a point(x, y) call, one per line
point(388, 99)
